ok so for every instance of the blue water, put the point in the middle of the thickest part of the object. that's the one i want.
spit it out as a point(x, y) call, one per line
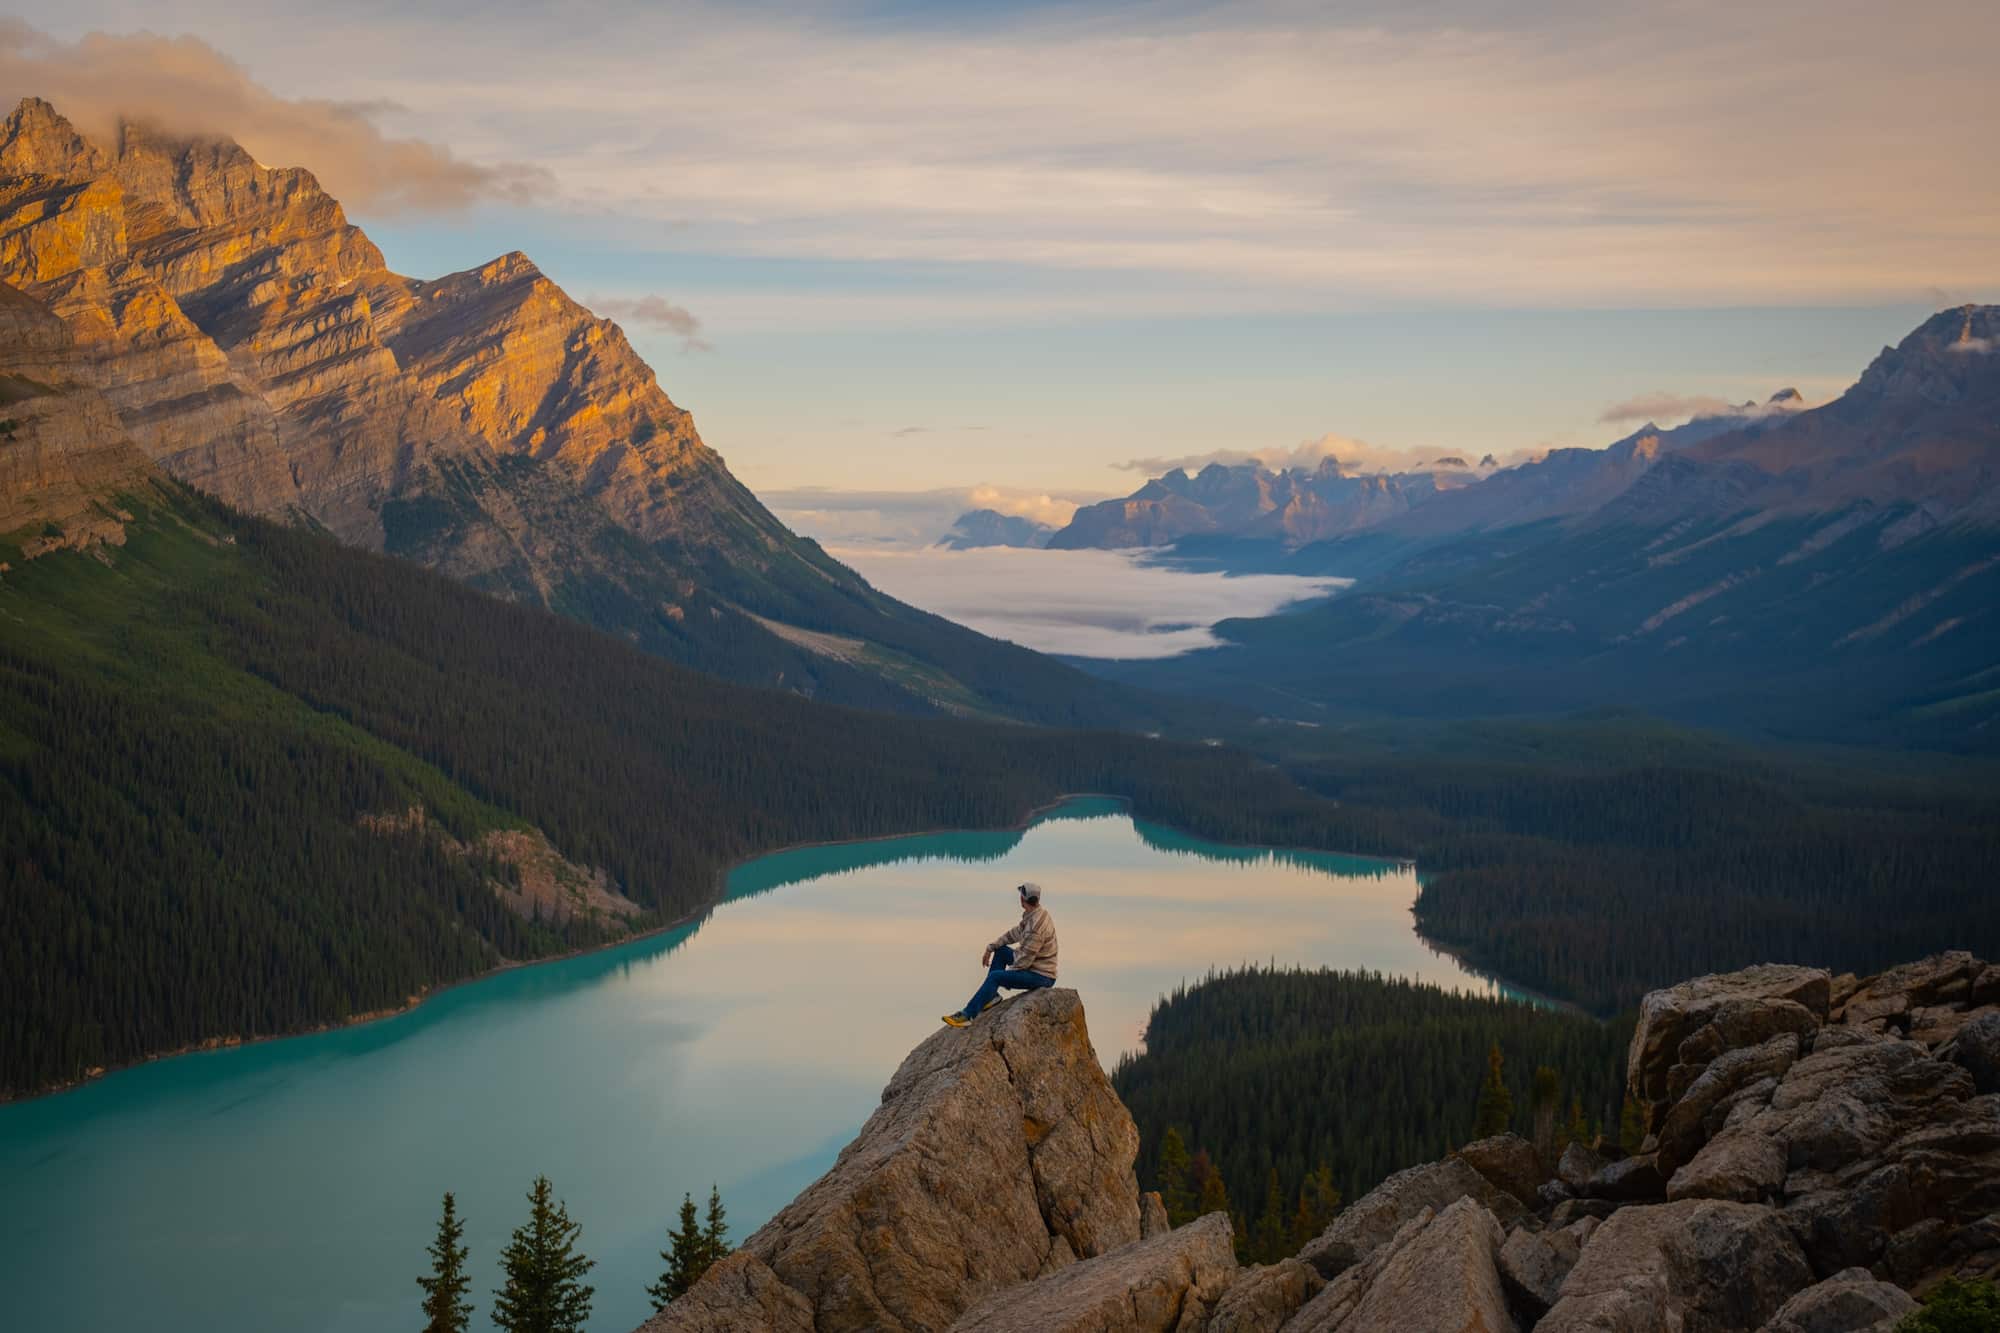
point(294, 1184)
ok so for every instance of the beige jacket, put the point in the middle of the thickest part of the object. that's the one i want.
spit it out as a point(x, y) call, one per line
point(1034, 941)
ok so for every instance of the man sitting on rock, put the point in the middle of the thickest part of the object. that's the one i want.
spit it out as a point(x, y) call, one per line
point(1022, 959)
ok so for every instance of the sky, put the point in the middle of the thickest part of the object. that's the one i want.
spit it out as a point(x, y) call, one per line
point(1036, 248)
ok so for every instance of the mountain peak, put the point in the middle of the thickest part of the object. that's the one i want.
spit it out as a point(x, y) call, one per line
point(38, 140)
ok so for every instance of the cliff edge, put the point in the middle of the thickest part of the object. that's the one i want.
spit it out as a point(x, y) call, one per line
point(1817, 1149)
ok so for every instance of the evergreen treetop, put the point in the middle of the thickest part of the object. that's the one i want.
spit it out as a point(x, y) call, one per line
point(445, 1308)
point(544, 1291)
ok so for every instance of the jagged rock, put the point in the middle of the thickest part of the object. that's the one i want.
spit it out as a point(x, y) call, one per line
point(1439, 1275)
point(1682, 1028)
point(1745, 1166)
point(1260, 1300)
point(1552, 1193)
point(1152, 1215)
point(1976, 1049)
point(1943, 976)
point(737, 1295)
point(1509, 1161)
point(1698, 1266)
point(1533, 1265)
point(1571, 1211)
point(1851, 1301)
point(1628, 1180)
point(999, 1153)
point(1376, 1216)
point(1149, 1286)
point(1700, 1111)
point(1577, 1166)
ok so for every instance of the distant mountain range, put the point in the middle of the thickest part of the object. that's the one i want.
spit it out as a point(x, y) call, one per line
point(1824, 572)
point(177, 304)
point(978, 528)
point(1250, 502)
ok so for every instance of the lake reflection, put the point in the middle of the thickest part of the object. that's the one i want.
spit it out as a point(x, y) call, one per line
point(293, 1184)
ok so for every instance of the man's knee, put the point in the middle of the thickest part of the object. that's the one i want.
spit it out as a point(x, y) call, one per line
point(1003, 958)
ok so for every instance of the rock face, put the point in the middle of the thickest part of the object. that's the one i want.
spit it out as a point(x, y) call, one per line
point(1814, 1163)
point(1159, 1285)
point(251, 342)
point(1705, 1266)
point(63, 452)
point(999, 1154)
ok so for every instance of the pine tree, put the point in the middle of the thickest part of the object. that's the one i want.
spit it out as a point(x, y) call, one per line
point(714, 1233)
point(1268, 1243)
point(1631, 1126)
point(1175, 1191)
point(1578, 1130)
point(1546, 1097)
point(544, 1292)
point(683, 1258)
point(1496, 1104)
point(445, 1308)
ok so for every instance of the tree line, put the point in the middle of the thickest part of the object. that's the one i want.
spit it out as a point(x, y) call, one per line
point(1273, 1094)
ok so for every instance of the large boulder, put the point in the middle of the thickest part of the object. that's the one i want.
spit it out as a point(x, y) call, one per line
point(999, 1153)
point(1533, 1264)
point(1851, 1301)
point(1374, 1219)
point(1437, 1275)
point(1682, 1028)
point(1975, 1048)
point(1698, 1266)
point(1168, 1282)
point(1262, 1299)
point(1511, 1162)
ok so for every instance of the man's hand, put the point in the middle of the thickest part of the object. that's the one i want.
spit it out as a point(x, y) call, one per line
point(986, 958)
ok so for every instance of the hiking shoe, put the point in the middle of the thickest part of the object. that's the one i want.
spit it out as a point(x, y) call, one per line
point(990, 1003)
point(956, 1020)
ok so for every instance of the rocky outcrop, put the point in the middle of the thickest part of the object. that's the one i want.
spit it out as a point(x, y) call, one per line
point(1812, 1160)
point(1377, 1217)
point(1167, 1283)
point(1705, 1266)
point(999, 1154)
point(1851, 1301)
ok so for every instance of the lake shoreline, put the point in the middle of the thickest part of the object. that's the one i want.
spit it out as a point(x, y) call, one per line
point(1021, 825)
point(211, 1044)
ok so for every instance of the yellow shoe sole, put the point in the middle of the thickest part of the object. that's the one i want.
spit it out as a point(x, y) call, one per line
point(956, 1020)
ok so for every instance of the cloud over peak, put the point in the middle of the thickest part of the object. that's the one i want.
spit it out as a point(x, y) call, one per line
point(186, 88)
point(654, 312)
point(1669, 407)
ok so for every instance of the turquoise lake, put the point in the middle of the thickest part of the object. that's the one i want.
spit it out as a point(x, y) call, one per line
point(293, 1185)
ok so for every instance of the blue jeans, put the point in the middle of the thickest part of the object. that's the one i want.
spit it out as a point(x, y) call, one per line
point(1000, 977)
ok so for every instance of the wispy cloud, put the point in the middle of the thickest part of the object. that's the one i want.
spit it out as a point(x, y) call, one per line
point(1970, 346)
point(910, 518)
point(1354, 456)
point(655, 312)
point(186, 88)
point(1671, 407)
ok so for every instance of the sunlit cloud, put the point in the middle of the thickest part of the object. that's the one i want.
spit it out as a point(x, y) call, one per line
point(886, 518)
point(185, 88)
point(655, 312)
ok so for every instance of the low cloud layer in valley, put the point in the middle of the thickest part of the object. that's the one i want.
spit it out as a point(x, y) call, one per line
point(1107, 604)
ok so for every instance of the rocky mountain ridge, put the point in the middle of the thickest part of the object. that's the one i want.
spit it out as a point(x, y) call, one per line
point(253, 343)
point(1817, 1149)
